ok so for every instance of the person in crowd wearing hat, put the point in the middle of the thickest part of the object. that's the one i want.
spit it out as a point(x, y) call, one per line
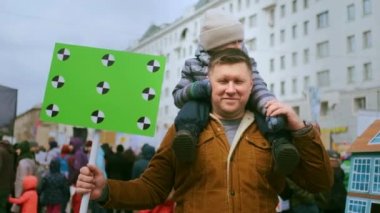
point(54, 189)
point(147, 152)
point(7, 173)
point(28, 200)
point(192, 94)
point(53, 152)
point(334, 200)
point(233, 171)
point(40, 156)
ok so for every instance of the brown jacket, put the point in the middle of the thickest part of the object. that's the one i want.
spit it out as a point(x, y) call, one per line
point(223, 178)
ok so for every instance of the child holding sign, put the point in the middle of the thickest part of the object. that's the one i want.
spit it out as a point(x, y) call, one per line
point(192, 95)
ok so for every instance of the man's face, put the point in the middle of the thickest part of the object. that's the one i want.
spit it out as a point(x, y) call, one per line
point(231, 86)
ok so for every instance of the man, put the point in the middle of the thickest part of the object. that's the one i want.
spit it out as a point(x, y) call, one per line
point(233, 171)
point(334, 200)
point(7, 173)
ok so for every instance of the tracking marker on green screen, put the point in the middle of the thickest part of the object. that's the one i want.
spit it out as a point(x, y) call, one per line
point(103, 89)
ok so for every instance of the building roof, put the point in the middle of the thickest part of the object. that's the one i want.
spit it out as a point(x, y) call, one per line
point(151, 31)
point(200, 3)
point(361, 144)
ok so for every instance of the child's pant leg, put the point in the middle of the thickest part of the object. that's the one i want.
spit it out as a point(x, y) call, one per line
point(193, 116)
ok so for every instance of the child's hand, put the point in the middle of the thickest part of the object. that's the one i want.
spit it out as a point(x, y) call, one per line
point(276, 108)
point(201, 89)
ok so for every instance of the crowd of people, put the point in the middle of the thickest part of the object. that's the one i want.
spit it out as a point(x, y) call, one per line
point(232, 148)
point(35, 179)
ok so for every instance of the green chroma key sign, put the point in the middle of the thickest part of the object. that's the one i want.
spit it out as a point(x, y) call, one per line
point(103, 89)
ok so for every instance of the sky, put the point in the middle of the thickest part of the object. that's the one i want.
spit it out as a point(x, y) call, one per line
point(29, 30)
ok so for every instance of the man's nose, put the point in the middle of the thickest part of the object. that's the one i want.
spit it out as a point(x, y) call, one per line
point(231, 87)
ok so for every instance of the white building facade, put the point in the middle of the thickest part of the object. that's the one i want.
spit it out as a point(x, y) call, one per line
point(330, 46)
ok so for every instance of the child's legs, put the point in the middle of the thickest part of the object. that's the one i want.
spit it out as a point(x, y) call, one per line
point(53, 208)
point(193, 116)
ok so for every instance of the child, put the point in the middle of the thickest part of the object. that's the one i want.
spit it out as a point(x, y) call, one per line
point(54, 189)
point(192, 95)
point(29, 198)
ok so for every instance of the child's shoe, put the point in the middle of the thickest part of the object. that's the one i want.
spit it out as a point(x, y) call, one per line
point(184, 145)
point(285, 154)
point(276, 123)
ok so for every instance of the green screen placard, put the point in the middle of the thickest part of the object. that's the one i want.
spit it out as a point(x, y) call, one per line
point(103, 89)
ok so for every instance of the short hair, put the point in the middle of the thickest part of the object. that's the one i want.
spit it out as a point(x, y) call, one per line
point(229, 56)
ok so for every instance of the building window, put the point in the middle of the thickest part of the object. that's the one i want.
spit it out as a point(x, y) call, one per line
point(251, 44)
point(167, 74)
point(294, 58)
point(306, 54)
point(323, 49)
point(306, 83)
point(376, 140)
point(306, 28)
point(167, 92)
point(305, 4)
point(294, 85)
point(166, 109)
point(271, 88)
point(351, 43)
point(356, 205)
point(282, 36)
point(323, 20)
point(271, 17)
point(253, 21)
point(367, 71)
point(247, 3)
point(294, 6)
point(350, 74)
point(360, 168)
point(184, 34)
point(323, 78)
point(351, 12)
point(271, 39)
point(366, 7)
point(282, 11)
point(282, 92)
point(242, 21)
point(190, 50)
point(195, 31)
point(231, 7)
point(294, 31)
point(324, 108)
point(359, 103)
point(239, 5)
point(282, 62)
point(367, 39)
point(376, 168)
point(296, 109)
point(183, 52)
point(271, 64)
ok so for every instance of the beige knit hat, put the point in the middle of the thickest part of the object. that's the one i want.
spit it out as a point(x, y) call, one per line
point(218, 28)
